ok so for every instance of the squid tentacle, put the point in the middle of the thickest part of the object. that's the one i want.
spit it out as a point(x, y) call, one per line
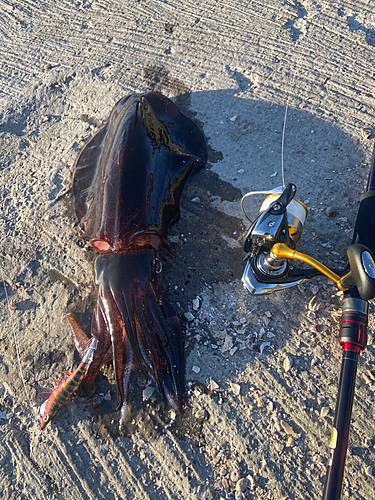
point(151, 351)
point(127, 370)
point(172, 343)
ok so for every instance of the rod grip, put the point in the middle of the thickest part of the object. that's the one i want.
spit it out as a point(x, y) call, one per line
point(364, 231)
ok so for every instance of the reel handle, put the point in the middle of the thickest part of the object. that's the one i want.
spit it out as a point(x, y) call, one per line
point(362, 271)
point(361, 262)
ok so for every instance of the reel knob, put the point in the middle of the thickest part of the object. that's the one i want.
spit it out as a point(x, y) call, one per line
point(362, 271)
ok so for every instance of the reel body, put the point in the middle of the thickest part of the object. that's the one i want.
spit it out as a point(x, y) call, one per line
point(280, 220)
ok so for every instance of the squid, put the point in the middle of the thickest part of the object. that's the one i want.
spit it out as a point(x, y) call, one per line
point(127, 185)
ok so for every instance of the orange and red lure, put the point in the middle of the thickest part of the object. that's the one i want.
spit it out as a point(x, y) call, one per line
point(62, 393)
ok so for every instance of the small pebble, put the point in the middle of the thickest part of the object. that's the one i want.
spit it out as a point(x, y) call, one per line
point(221, 334)
point(225, 484)
point(196, 200)
point(189, 316)
point(365, 133)
point(233, 118)
point(213, 386)
point(279, 447)
point(287, 364)
point(196, 304)
point(366, 379)
point(47, 67)
point(200, 414)
point(252, 482)
point(324, 411)
point(234, 476)
point(228, 344)
point(368, 443)
point(108, 396)
point(148, 392)
point(196, 369)
point(223, 471)
point(242, 484)
point(263, 346)
point(287, 428)
point(236, 389)
point(289, 442)
point(369, 471)
point(260, 402)
point(330, 212)
point(343, 220)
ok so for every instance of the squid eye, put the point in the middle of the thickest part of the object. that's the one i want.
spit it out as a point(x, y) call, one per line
point(45, 418)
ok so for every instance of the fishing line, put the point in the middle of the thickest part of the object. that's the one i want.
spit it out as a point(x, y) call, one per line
point(309, 23)
point(273, 194)
point(14, 336)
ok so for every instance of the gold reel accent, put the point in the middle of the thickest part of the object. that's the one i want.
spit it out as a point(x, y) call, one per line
point(281, 251)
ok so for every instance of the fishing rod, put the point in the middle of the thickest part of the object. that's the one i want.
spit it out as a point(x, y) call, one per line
point(270, 245)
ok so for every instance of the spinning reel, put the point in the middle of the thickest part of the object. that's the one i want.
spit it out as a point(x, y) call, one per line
point(270, 246)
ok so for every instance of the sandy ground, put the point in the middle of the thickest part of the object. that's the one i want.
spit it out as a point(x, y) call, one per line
point(232, 66)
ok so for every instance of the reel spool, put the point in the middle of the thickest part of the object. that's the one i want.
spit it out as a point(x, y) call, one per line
point(296, 210)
